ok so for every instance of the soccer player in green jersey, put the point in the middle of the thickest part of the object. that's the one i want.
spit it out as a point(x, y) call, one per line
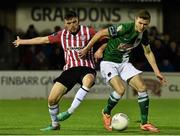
point(116, 67)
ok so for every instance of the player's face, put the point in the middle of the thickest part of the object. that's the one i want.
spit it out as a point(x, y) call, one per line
point(141, 24)
point(72, 24)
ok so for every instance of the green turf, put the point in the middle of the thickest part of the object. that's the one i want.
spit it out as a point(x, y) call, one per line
point(26, 117)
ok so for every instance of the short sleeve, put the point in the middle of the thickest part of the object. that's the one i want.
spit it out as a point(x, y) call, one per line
point(115, 29)
point(92, 31)
point(145, 40)
point(55, 37)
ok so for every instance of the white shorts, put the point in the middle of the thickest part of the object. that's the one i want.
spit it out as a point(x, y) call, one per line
point(125, 70)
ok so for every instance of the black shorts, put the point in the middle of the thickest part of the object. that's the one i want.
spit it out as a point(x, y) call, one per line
point(74, 75)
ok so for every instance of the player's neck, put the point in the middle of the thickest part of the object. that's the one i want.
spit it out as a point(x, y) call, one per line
point(74, 33)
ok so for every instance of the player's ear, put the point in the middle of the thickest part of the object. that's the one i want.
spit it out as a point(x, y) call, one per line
point(77, 20)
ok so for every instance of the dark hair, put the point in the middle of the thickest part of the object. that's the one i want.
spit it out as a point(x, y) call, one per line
point(144, 14)
point(70, 14)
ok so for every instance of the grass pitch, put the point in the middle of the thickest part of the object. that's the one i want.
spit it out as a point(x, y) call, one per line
point(27, 117)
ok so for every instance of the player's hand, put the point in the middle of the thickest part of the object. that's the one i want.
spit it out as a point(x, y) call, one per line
point(98, 55)
point(161, 78)
point(16, 43)
point(82, 53)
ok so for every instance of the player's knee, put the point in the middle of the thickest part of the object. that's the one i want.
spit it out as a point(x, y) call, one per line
point(142, 88)
point(120, 91)
point(51, 101)
point(88, 80)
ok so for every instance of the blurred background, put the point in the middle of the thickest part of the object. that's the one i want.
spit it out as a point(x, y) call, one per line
point(33, 18)
point(33, 68)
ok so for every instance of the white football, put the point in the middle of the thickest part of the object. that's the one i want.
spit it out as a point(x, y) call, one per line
point(120, 121)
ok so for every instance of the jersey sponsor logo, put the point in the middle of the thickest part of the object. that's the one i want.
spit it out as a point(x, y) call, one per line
point(74, 48)
point(125, 47)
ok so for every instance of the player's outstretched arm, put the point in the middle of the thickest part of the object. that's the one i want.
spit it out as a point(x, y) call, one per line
point(151, 59)
point(33, 41)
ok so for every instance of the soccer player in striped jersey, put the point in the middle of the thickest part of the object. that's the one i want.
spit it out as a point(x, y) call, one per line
point(76, 70)
point(116, 67)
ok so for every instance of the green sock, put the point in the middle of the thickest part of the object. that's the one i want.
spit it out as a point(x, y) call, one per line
point(144, 107)
point(112, 101)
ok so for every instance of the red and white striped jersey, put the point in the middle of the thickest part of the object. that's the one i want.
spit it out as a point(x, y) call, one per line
point(71, 45)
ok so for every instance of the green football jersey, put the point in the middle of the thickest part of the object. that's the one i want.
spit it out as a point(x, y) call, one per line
point(123, 38)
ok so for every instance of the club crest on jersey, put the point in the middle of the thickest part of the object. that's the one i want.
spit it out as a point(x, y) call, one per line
point(82, 37)
point(137, 42)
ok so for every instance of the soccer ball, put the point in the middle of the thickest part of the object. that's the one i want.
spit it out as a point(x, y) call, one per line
point(120, 121)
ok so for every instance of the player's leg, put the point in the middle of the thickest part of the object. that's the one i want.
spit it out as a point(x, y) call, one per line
point(111, 75)
point(55, 95)
point(117, 85)
point(132, 75)
point(87, 81)
point(114, 97)
point(137, 83)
